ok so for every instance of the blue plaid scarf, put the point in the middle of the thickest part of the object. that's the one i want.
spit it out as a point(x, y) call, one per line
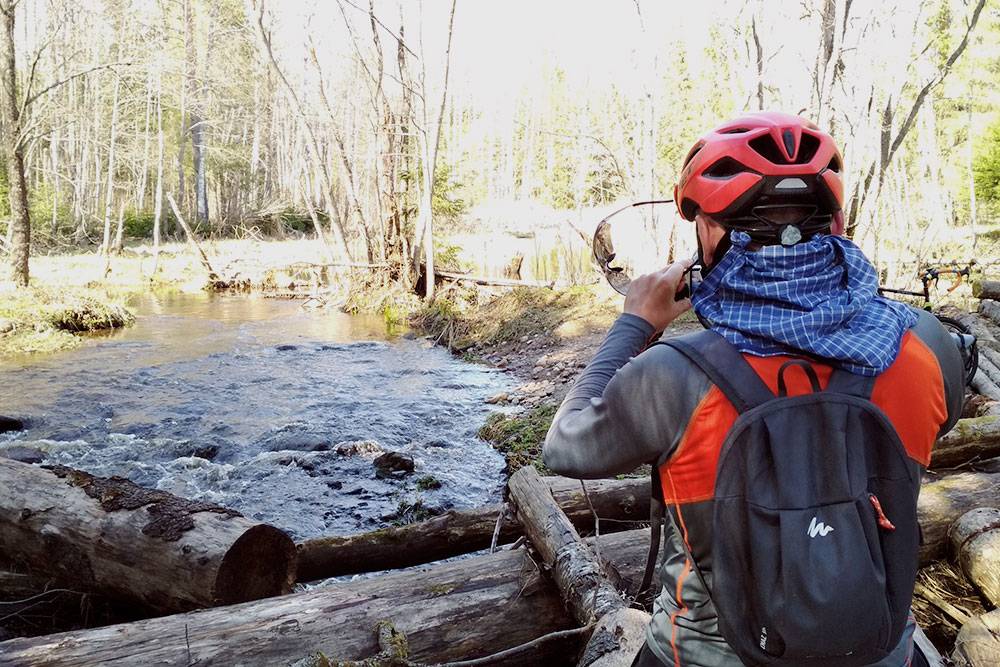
point(818, 298)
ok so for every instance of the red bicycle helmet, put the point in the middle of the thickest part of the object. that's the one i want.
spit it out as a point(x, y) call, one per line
point(758, 162)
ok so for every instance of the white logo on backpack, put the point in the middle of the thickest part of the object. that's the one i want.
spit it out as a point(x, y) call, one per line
point(818, 528)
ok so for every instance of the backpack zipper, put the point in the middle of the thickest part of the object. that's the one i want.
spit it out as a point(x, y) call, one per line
point(883, 520)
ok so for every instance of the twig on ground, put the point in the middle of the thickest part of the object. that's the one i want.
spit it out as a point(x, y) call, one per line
point(510, 652)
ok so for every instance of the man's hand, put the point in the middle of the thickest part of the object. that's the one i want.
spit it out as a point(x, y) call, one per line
point(652, 296)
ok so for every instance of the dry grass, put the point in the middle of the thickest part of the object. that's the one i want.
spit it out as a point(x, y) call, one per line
point(943, 600)
point(465, 319)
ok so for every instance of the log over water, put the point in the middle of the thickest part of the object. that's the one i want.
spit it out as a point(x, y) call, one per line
point(464, 531)
point(125, 542)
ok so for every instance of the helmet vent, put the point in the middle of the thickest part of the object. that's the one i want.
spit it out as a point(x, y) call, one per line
point(835, 164)
point(692, 153)
point(736, 130)
point(769, 150)
point(808, 146)
point(726, 167)
point(765, 146)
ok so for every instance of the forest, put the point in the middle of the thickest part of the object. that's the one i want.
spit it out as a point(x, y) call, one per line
point(292, 291)
point(266, 120)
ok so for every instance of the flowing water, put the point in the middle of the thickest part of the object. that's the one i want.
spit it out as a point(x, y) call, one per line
point(245, 402)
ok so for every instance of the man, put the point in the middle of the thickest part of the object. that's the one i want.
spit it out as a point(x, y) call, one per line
point(780, 283)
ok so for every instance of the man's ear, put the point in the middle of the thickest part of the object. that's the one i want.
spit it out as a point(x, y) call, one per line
point(710, 233)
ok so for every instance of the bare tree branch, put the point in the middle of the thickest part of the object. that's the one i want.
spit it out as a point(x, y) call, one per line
point(28, 101)
point(384, 27)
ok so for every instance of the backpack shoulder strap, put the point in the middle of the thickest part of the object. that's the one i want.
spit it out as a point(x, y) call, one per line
point(725, 367)
point(845, 382)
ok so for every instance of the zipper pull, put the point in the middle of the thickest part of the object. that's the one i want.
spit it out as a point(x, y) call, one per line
point(883, 520)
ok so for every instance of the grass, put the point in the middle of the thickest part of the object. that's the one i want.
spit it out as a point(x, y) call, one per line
point(519, 437)
point(41, 319)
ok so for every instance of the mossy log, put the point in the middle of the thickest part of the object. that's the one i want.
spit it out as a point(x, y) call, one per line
point(974, 438)
point(978, 642)
point(944, 500)
point(464, 531)
point(986, 289)
point(975, 540)
point(149, 548)
point(468, 608)
point(582, 580)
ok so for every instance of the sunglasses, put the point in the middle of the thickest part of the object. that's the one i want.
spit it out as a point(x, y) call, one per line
point(603, 249)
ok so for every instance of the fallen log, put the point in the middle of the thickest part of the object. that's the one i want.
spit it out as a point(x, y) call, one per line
point(975, 540)
point(978, 642)
point(943, 501)
point(468, 608)
point(977, 437)
point(192, 239)
point(119, 540)
point(497, 282)
point(986, 289)
point(585, 586)
point(464, 531)
point(990, 309)
point(440, 609)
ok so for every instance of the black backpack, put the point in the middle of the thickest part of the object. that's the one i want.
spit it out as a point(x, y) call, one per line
point(815, 535)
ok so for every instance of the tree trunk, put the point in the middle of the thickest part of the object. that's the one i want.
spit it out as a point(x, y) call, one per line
point(464, 531)
point(469, 608)
point(978, 643)
point(20, 221)
point(580, 576)
point(109, 193)
point(140, 190)
point(158, 196)
point(148, 547)
point(119, 243)
point(200, 183)
point(975, 539)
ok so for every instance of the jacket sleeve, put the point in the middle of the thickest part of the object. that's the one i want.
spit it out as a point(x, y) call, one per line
point(621, 413)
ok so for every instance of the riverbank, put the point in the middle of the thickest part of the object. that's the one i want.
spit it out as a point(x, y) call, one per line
point(85, 291)
point(542, 337)
point(44, 319)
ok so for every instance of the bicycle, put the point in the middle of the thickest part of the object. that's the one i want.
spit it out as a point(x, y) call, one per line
point(964, 338)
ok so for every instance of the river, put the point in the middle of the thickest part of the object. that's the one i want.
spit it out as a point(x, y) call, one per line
point(244, 401)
